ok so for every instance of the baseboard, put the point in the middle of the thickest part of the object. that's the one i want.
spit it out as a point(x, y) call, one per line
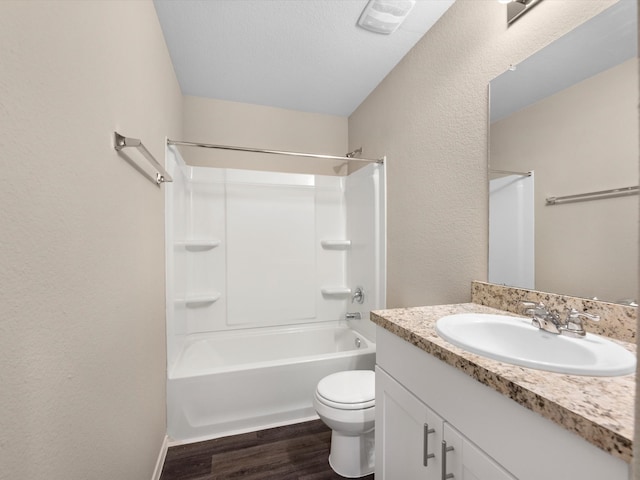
point(161, 457)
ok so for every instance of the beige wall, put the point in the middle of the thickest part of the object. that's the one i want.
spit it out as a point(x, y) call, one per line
point(245, 125)
point(582, 139)
point(82, 345)
point(82, 348)
point(429, 116)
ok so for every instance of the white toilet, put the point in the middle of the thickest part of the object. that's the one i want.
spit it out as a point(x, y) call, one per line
point(345, 402)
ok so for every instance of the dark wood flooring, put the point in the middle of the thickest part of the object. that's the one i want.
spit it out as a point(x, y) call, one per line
point(292, 452)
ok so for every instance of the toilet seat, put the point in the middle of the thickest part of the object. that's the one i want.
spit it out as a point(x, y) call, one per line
point(349, 390)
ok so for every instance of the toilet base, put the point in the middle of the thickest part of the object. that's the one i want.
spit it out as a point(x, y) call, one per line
point(352, 456)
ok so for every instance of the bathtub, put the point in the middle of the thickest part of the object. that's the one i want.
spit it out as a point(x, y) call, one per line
point(230, 382)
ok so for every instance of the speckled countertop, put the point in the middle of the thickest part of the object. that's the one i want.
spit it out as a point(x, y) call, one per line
point(599, 409)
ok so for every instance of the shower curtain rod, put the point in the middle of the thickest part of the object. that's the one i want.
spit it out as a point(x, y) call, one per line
point(509, 172)
point(273, 152)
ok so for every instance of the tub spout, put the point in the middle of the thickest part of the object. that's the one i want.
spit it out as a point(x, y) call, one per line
point(353, 316)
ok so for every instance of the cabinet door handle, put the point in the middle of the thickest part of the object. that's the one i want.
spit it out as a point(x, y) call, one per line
point(445, 449)
point(425, 445)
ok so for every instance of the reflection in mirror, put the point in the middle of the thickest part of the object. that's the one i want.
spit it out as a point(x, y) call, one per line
point(569, 115)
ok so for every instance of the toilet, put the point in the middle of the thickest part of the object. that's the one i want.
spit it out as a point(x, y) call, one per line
point(345, 402)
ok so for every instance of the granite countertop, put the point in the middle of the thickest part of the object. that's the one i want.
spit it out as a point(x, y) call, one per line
point(599, 409)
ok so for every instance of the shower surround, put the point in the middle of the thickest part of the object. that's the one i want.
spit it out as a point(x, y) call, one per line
point(261, 272)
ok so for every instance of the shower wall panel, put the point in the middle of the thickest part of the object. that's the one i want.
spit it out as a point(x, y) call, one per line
point(271, 261)
point(252, 249)
point(331, 221)
point(365, 227)
point(205, 251)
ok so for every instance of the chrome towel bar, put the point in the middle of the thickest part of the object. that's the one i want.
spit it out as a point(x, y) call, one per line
point(121, 142)
point(614, 192)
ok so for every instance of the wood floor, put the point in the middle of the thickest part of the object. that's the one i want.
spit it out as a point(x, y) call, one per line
point(293, 452)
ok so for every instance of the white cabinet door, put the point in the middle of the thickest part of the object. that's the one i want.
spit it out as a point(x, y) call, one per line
point(408, 434)
point(465, 461)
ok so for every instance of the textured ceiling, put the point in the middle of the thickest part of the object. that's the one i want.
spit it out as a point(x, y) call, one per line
point(305, 55)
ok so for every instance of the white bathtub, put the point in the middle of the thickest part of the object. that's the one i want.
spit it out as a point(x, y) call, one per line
point(230, 382)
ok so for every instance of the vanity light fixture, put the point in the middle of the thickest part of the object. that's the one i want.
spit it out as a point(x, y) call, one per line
point(385, 16)
point(517, 8)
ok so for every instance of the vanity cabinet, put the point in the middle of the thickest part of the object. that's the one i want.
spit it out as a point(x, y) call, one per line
point(412, 441)
point(466, 461)
point(493, 437)
point(408, 433)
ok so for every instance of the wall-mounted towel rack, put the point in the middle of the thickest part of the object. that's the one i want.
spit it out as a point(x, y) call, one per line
point(121, 142)
point(614, 192)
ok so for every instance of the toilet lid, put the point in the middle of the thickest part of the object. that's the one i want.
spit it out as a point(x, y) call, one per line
point(353, 389)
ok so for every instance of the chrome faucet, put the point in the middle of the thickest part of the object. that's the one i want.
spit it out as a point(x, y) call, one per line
point(543, 318)
point(551, 322)
point(353, 316)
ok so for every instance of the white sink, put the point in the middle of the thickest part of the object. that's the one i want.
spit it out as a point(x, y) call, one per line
point(514, 340)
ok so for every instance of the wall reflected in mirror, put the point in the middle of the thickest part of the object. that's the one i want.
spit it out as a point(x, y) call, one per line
point(569, 114)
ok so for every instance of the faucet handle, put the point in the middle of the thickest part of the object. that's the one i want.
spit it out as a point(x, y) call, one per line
point(358, 295)
point(575, 315)
point(534, 308)
point(574, 326)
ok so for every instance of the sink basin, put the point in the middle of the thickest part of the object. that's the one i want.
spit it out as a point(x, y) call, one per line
point(514, 340)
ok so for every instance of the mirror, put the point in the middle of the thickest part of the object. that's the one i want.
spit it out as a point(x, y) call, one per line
point(569, 115)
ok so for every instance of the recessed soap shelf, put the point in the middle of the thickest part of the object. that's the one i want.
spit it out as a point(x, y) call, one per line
point(335, 244)
point(199, 245)
point(198, 300)
point(336, 291)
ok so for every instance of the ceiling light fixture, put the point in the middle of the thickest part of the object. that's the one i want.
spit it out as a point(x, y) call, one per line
point(385, 16)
